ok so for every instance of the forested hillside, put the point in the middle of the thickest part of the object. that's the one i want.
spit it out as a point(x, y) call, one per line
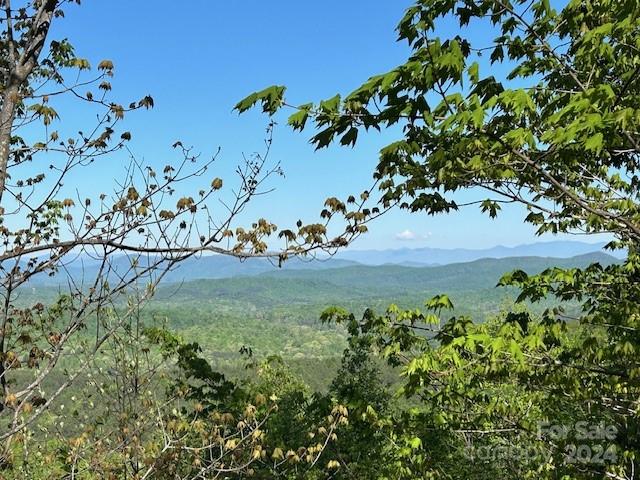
point(279, 312)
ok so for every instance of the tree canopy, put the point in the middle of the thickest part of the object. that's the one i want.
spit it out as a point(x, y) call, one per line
point(558, 133)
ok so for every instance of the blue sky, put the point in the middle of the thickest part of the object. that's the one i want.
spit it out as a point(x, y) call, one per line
point(199, 59)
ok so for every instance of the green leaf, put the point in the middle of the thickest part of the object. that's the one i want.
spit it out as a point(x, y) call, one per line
point(473, 72)
point(594, 143)
point(350, 137)
point(331, 105)
point(299, 119)
point(271, 98)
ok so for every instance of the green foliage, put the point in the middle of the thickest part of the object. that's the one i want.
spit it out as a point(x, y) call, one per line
point(567, 124)
point(558, 134)
point(197, 380)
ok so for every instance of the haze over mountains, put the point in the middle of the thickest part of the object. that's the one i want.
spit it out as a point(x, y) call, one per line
point(219, 267)
point(442, 256)
point(368, 282)
point(225, 267)
point(221, 303)
point(297, 297)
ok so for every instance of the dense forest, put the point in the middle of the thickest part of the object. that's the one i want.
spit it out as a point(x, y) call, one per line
point(149, 332)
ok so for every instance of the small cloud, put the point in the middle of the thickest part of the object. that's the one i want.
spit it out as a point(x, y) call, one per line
point(406, 235)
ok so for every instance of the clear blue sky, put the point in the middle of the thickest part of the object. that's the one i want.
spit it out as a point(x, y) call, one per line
point(198, 58)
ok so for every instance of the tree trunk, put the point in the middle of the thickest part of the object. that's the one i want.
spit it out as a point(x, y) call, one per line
point(7, 116)
point(19, 71)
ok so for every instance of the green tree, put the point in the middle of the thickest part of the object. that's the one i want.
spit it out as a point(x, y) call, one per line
point(358, 384)
point(557, 133)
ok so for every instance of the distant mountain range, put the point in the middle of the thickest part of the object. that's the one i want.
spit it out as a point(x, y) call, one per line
point(476, 275)
point(442, 256)
point(221, 266)
point(471, 284)
point(195, 268)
